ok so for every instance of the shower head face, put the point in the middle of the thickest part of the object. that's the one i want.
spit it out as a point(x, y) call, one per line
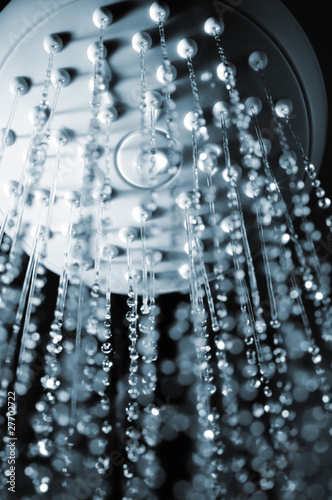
point(157, 182)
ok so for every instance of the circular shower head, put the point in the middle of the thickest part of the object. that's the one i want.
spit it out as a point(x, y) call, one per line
point(140, 175)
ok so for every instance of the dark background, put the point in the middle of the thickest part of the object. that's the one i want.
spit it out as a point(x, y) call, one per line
point(314, 18)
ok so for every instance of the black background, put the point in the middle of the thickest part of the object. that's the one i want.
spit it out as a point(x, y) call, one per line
point(314, 18)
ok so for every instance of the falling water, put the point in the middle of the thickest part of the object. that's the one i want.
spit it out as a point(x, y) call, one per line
point(25, 184)
point(144, 129)
point(28, 310)
point(23, 296)
point(288, 154)
point(231, 86)
point(53, 109)
point(47, 81)
point(63, 282)
point(108, 306)
point(209, 296)
point(36, 153)
point(54, 347)
point(192, 269)
point(153, 149)
point(96, 284)
point(78, 337)
point(294, 237)
point(46, 233)
point(194, 89)
point(3, 225)
point(132, 410)
point(248, 319)
point(212, 209)
point(205, 386)
point(275, 323)
point(40, 253)
point(152, 259)
point(167, 78)
point(234, 97)
point(258, 429)
point(217, 29)
point(310, 169)
point(97, 75)
point(145, 309)
point(196, 191)
point(163, 46)
point(234, 194)
point(6, 131)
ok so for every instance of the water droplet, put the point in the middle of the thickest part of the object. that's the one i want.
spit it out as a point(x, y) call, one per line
point(275, 323)
point(133, 411)
point(267, 391)
point(106, 348)
point(131, 301)
point(107, 365)
point(131, 316)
